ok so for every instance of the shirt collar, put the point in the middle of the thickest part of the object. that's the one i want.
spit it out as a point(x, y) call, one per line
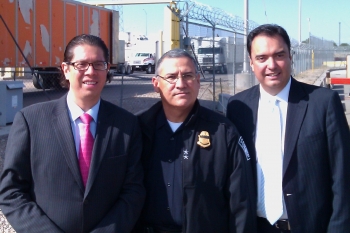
point(190, 119)
point(281, 96)
point(76, 111)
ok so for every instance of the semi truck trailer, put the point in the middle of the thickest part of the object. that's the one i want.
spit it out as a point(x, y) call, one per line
point(34, 34)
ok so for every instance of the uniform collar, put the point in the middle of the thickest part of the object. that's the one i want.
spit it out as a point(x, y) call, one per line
point(190, 119)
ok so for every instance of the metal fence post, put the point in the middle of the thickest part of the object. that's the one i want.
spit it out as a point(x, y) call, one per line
point(328, 79)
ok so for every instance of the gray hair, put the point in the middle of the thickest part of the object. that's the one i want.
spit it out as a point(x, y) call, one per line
point(176, 53)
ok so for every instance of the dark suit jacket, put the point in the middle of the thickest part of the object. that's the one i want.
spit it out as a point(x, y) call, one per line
point(316, 164)
point(41, 187)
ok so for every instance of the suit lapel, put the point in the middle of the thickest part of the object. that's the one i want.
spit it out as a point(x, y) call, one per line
point(63, 130)
point(103, 132)
point(297, 106)
point(254, 105)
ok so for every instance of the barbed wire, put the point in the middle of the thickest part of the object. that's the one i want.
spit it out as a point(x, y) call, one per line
point(204, 13)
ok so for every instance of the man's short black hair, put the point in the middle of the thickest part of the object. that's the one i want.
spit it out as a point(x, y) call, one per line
point(270, 30)
point(176, 53)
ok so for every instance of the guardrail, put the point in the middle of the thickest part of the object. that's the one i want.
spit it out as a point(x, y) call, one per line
point(335, 80)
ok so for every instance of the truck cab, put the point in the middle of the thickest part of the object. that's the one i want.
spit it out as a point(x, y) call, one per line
point(205, 55)
point(219, 59)
point(143, 61)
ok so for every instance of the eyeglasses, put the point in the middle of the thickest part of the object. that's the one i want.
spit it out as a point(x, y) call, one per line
point(173, 78)
point(83, 66)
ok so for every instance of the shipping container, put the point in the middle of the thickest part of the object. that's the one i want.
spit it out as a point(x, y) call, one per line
point(42, 28)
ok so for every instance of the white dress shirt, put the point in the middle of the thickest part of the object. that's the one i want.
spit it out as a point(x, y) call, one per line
point(263, 104)
point(74, 115)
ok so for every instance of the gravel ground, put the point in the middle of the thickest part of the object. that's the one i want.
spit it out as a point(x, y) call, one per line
point(307, 77)
point(5, 227)
point(3, 141)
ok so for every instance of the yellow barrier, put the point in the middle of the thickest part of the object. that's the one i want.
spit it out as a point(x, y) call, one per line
point(334, 63)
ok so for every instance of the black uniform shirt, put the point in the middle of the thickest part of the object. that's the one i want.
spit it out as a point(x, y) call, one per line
point(164, 179)
point(218, 191)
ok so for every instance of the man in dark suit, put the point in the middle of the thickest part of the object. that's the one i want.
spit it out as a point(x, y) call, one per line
point(53, 180)
point(309, 178)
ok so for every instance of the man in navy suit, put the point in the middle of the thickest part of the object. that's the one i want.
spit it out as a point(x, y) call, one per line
point(312, 161)
point(43, 186)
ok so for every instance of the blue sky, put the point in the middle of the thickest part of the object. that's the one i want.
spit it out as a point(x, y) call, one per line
point(324, 15)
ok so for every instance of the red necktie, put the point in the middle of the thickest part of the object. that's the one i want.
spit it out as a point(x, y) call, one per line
point(85, 148)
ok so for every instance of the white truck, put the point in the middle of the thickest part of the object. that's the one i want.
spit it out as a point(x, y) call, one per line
point(123, 67)
point(143, 61)
point(224, 54)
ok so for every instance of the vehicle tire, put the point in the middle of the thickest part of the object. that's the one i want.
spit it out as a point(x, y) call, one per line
point(149, 69)
point(35, 82)
point(128, 70)
point(122, 69)
point(43, 79)
point(132, 70)
point(219, 70)
point(223, 70)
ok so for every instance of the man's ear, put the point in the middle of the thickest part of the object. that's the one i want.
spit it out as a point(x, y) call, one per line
point(251, 64)
point(65, 69)
point(198, 77)
point(155, 84)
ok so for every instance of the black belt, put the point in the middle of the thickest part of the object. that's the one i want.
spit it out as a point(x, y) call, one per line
point(282, 225)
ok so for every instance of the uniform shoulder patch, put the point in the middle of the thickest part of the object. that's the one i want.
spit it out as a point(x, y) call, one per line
point(244, 147)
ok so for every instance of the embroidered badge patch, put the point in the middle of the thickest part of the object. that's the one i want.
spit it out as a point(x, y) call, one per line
point(203, 139)
point(244, 147)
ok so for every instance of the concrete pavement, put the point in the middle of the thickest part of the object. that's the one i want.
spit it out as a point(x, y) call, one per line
point(4, 130)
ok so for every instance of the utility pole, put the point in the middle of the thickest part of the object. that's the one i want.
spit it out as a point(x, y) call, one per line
point(299, 22)
point(339, 33)
point(243, 80)
point(146, 21)
point(309, 32)
point(245, 61)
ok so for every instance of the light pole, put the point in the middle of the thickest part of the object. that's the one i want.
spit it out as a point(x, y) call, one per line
point(246, 30)
point(146, 20)
point(309, 32)
point(339, 34)
point(299, 22)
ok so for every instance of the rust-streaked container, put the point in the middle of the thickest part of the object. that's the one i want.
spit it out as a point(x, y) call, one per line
point(42, 29)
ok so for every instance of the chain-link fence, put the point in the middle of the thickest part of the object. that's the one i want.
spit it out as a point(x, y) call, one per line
point(315, 52)
point(202, 28)
point(222, 64)
point(133, 92)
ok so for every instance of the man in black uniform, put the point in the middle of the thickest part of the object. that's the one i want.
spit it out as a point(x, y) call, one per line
point(197, 172)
